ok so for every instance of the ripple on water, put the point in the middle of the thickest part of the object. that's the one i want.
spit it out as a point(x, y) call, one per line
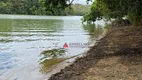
point(6, 61)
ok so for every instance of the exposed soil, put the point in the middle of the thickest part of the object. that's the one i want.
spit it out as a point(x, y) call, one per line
point(117, 56)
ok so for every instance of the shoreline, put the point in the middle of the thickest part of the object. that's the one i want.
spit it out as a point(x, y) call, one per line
point(104, 61)
point(67, 62)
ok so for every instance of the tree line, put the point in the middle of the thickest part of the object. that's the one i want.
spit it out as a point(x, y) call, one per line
point(19, 7)
point(33, 7)
point(42, 7)
point(108, 9)
point(115, 9)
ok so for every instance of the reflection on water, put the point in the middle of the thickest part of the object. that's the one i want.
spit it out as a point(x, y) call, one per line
point(21, 42)
point(27, 30)
point(94, 31)
point(31, 45)
point(51, 58)
point(54, 53)
point(48, 64)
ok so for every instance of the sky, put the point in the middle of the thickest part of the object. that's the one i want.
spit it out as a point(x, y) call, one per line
point(80, 1)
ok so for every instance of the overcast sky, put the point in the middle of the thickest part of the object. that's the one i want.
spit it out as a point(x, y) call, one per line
point(80, 1)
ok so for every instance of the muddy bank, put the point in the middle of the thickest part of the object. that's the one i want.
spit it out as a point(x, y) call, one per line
point(116, 56)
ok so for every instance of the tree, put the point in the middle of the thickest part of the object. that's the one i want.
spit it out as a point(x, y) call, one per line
point(135, 11)
point(56, 7)
point(118, 9)
point(93, 15)
point(5, 7)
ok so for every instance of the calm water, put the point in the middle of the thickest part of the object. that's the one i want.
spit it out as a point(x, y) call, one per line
point(31, 45)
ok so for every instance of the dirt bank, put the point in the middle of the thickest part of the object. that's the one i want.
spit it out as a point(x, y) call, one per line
point(117, 56)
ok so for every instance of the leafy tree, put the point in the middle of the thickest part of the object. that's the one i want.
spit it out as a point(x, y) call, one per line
point(93, 15)
point(117, 9)
point(56, 7)
point(135, 11)
point(5, 7)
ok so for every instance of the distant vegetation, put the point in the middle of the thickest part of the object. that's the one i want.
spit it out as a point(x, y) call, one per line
point(79, 9)
point(41, 7)
point(20, 7)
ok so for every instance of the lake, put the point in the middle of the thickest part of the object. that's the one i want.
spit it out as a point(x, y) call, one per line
point(31, 45)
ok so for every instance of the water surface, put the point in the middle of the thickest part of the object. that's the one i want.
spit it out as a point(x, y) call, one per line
point(31, 45)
